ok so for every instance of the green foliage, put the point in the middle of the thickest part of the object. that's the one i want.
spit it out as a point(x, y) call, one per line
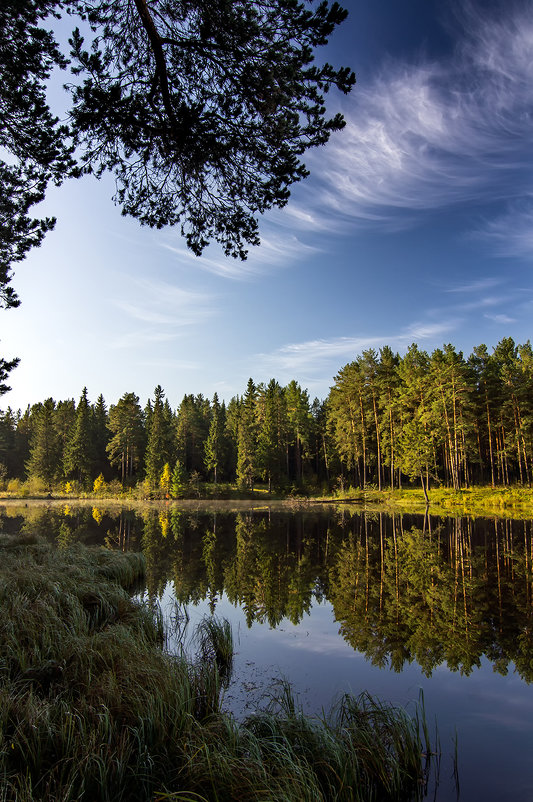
point(192, 427)
point(126, 446)
point(45, 454)
point(178, 481)
point(389, 422)
point(80, 454)
point(159, 445)
point(214, 444)
point(272, 432)
point(6, 366)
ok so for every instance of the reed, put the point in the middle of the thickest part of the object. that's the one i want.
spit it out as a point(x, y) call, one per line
point(215, 641)
point(93, 709)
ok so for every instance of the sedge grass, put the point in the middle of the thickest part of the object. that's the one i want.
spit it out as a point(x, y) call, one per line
point(215, 640)
point(93, 709)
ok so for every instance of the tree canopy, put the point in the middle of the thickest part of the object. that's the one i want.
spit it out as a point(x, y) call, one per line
point(201, 110)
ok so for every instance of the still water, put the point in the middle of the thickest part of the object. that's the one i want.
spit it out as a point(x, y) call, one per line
point(336, 601)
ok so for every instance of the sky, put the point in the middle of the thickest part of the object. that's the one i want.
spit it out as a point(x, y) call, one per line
point(415, 225)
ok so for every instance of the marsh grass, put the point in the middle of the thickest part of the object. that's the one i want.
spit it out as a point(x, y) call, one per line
point(215, 641)
point(93, 709)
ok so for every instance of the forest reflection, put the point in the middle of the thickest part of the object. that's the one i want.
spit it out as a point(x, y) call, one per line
point(403, 589)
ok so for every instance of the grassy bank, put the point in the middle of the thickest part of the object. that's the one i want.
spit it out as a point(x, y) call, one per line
point(93, 708)
point(508, 502)
point(511, 502)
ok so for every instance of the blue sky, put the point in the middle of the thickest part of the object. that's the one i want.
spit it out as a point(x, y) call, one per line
point(416, 225)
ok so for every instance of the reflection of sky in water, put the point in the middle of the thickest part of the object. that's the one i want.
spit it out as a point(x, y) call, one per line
point(492, 714)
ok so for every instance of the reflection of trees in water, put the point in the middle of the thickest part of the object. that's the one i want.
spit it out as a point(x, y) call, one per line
point(436, 591)
point(437, 596)
point(124, 532)
point(273, 574)
point(67, 523)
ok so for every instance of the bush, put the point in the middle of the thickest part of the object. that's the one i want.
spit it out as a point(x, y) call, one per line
point(14, 486)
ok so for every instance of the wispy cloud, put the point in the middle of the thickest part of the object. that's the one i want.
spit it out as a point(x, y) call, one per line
point(160, 311)
point(324, 357)
point(501, 318)
point(277, 248)
point(510, 234)
point(419, 137)
point(427, 136)
point(480, 285)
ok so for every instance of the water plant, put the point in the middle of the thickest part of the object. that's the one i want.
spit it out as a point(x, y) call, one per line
point(215, 640)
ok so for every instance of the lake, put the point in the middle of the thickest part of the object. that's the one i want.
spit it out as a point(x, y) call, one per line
point(337, 601)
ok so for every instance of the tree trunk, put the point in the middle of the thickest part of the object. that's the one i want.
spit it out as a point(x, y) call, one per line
point(424, 488)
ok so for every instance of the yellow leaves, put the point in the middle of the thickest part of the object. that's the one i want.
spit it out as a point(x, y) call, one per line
point(99, 484)
point(164, 481)
point(164, 523)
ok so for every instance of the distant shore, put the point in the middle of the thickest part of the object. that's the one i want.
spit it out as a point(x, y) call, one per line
point(507, 502)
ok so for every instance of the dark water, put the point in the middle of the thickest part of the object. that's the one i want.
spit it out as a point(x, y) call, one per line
point(338, 602)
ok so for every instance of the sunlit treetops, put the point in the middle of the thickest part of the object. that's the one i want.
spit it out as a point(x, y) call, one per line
point(388, 421)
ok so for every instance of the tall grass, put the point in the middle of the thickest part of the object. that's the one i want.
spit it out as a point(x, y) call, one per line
point(215, 640)
point(93, 709)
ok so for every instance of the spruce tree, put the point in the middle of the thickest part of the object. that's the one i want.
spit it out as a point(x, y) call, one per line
point(158, 448)
point(247, 439)
point(101, 436)
point(178, 481)
point(271, 432)
point(300, 424)
point(80, 454)
point(45, 449)
point(214, 445)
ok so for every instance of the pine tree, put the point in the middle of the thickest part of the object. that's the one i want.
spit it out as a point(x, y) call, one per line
point(192, 427)
point(485, 402)
point(23, 435)
point(8, 428)
point(347, 419)
point(231, 436)
point(126, 446)
point(419, 428)
point(388, 381)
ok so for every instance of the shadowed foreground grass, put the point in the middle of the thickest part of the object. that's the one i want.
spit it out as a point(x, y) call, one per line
point(92, 708)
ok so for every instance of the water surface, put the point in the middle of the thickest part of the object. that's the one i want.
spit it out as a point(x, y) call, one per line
point(337, 602)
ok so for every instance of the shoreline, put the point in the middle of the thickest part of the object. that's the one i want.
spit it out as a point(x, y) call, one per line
point(503, 502)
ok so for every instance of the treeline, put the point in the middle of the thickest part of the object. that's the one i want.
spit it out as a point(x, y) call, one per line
point(388, 419)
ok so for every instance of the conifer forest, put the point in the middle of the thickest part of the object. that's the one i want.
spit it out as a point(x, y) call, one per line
point(423, 418)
